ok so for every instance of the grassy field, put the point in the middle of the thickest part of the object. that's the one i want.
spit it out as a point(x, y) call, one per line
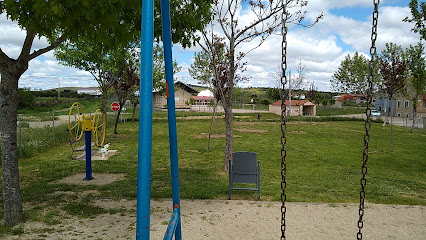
point(323, 160)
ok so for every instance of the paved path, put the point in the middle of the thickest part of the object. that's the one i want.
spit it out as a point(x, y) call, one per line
point(399, 121)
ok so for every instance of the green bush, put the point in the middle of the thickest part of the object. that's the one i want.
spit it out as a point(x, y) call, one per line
point(26, 98)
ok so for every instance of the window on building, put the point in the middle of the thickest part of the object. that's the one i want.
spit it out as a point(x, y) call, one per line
point(406, 104)
point(398, 104)
point(399, 114)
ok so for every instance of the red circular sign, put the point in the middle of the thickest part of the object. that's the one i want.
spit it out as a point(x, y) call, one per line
point(115, 106)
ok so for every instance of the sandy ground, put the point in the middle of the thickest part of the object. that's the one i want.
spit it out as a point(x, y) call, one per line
point(237, 219)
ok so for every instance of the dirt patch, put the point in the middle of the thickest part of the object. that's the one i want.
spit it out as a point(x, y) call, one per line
point(250, 130)
point(240, 219)
point(99, 179)
point(304, 123)
point(297, 132)
point(206, 135)
point(255, 123)
point(192, 150)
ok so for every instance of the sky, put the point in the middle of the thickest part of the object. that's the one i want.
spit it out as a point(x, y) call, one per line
point(344, 29)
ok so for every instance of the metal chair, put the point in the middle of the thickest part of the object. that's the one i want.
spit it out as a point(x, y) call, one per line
point(244, 169)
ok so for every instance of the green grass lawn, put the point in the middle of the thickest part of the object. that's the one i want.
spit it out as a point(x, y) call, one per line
point(329, 111)
point(323, 164)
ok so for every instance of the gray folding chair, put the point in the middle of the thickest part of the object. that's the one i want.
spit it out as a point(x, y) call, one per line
point(244, 169)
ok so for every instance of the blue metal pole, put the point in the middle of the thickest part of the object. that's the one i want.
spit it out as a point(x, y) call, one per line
point(145, 123)
point(88, 140)
point(167, 45)
point(171, 228)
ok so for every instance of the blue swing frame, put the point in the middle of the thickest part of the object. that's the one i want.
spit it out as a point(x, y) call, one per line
point(145, 123)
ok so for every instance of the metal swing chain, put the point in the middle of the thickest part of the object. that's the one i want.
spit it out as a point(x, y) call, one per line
point(283, 117)
point(367, 124)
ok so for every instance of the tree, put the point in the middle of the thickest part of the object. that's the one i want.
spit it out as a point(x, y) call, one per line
point(352, 75)
point(212, 68)
point(26, 98)
point(297, 85)
point(88, 56)
point(58, 22)
point(273, 94)
point(393, 66)
point(312, 92)
point(418, 13)
point(159, 70)
point(106, 22)
point(417, 72)
point(125, 82)
point(264, 23)
point(201, 69)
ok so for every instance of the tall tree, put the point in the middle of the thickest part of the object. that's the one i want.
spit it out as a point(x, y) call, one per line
point(88, 56)
point(106, 22)
point(125, 83)
point(264, 23)
point(298, 85)
point(58, 22)
point(159, 70)
point(417, 72)
point(418, 12)
point(352, 75)
point(393, 66)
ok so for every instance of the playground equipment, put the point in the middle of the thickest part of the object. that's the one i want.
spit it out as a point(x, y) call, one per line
point(367, 124)
point(93, 130)
point(98, 124)
point(145, 122)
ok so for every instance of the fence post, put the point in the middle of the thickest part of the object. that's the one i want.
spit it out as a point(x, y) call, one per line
point(53, 127)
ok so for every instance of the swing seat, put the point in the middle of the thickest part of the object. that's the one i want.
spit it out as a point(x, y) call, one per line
point(244, 169)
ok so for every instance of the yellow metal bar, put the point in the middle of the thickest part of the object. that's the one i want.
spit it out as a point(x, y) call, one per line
point(87, 124)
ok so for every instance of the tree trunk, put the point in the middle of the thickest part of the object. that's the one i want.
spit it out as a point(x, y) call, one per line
point(414, 115)
point(229, 135)
point(104, 99)
point(134, 111)
point(387, 112)
point(210, 128)
point(13, 213)
point(117, 118)
point(227, 104)
point(391, 123)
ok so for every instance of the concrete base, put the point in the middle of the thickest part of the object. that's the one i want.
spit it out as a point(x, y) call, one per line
point(97, 155)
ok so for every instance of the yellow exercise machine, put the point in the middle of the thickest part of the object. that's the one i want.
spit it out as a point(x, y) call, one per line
point(97, 123)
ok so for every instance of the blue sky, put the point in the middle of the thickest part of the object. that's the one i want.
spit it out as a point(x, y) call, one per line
point(345, 29)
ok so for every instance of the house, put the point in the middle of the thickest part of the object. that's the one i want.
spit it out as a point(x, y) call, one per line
point(383, 105)
point(182, 94)
point(302, 107)
point(404, 107)
point(350, 97)
point(204, 97)
point(93, 91)
point(401, 106)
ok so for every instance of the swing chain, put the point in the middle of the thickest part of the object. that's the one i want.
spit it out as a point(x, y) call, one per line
point(367, 124)
point(283, 117)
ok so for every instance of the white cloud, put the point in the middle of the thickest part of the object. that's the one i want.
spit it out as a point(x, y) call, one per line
point(320, 48)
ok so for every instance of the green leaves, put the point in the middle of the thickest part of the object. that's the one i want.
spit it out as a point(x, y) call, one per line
point(418, 17)
point(352, 75)
point(393, 68)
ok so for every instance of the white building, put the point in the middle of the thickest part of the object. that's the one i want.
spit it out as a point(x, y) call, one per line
point(93, 91)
